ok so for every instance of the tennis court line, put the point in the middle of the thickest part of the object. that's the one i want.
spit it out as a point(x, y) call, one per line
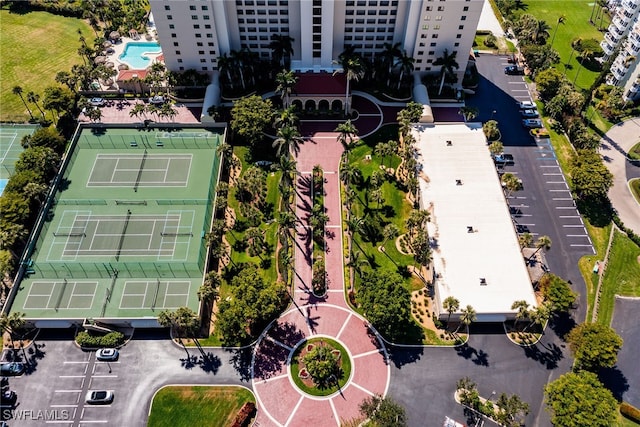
point(8, 150)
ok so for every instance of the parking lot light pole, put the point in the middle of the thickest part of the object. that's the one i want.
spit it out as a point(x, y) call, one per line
point(492, 113)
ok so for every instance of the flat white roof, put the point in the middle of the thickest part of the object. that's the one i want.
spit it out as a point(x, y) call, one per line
point(491, 251)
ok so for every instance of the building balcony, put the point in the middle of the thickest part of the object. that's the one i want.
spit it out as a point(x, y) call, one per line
point(606, 47)
point(631, 48)
point(629, 6)
point(623, 19)
point(611, 80)
point(612, 38)
point(619, 25)
point(618, 72)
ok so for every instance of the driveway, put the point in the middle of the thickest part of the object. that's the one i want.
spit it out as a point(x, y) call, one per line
point(613, 148)
point(624, 378)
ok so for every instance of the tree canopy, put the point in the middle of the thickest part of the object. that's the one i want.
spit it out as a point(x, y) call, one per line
point(252, 305)
point(578, 400)
point(386, 302)
point(590, 178)
point(250, 116)
point(594, 346)
point(383, 411)
point(557, 291)
point(45, 137)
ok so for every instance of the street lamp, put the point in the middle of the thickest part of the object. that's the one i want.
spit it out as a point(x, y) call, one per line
point(492, 113)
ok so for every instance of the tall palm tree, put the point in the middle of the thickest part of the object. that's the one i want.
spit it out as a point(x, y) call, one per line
point(561, 20)
point(540, 31)
point(523, 310)
point(356, 265)
point(288, 138)
point(525, 240)
point(17, 90)
point(585, 54)
point(349, 174)
point(237, 59)
point(353, 67)
point(285, 117)
point(390, 54)
point(34, 98)
point(451, 304)
point(511, 183)
point(347, 133)
point(281, 50)
point(225, 65)
point(389, 232)
point(447, 63)
point(467, 316)
point(285, 82)
point(288, 167)
point(138, 110)
point(406, 66)
point(543, 243)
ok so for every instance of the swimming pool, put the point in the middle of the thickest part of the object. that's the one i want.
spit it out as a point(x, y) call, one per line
point(134, 54)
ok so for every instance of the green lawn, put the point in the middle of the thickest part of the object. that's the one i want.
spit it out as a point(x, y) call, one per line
point(34, 47)
point(625, 422)
point(188, 406)
point(345, 366)
point(634, 153)
point(635, 188)
point(622, 276)
point(576, 24)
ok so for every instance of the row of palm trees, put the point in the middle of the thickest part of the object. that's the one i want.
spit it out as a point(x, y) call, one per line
point(32, 98)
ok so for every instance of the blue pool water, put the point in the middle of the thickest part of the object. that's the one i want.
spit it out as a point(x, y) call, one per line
point(134, 54)
point(3, 183)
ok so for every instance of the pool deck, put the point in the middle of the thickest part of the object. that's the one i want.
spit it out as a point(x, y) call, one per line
point(119, 113)
point(120, 46)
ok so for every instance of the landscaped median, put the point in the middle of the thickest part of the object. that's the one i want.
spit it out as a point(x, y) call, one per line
point(176, 406)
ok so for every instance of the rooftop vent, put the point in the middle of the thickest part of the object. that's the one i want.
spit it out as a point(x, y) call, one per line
point(469, 228)
point(449, 143)
point(483, 281)
point(458, 182)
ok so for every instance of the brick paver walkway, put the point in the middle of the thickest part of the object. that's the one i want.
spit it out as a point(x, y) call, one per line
point(280, 402)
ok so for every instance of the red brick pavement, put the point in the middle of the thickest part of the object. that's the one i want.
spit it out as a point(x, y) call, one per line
point(119, 113)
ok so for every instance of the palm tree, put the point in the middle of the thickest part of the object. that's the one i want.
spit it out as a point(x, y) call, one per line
point(225, 64)
point(540, 315)
point(285, 81)
point(543, 243)
point(17, 90)
point(353, 67)
point(288, 138)
point(406, 66)
point(447, 63)
point(452, 305)
point(237, 61)
point(525, 240)
point(523, 310)
point(540, 31)
point(468, 113)
point(389, 232)
point(287, 167)
point(138, 110)
point(467, 316)
point(349, 174)
point(561, 20)
point(585, 54)
point(511, 183)
point(347, 133)
point(496, 147)
point(389, 56)
point(281, 50)
point(356, 264)
point(285, 117)
point(255, 240)
point(34, 98)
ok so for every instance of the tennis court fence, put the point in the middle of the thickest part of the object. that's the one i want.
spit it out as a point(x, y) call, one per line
point(146, 140)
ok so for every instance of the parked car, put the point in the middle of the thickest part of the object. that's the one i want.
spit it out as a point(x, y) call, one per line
point(514, 70)
point(9, 397)
point(529, 113)
point(107, 354)
point(11, 369)
point(98, 397)
point(532, 123)
point(96, 102)
point(156, 100)
point(503, 159)
point(525, 105)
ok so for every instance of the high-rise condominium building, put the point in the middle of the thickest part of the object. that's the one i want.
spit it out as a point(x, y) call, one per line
point(623, 37)
point(194, 33)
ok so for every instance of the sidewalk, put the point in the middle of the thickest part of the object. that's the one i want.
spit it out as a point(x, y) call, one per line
point(613, 148)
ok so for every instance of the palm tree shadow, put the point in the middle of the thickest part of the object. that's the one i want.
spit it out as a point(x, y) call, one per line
point(479, 357)
point(241, 361)
point(614, 380)
point(189, 362)
point(269, 358)
point(549, 358)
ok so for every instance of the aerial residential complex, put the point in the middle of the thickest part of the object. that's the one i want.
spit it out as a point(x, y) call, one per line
point(194, 34)
point(623, 37)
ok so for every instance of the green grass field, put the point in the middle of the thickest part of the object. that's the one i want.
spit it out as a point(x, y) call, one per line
point(197, 405)
point(34, 47)
point(622, 276)
point(634, 152)
point(635, 189)
point(345, 366)
point(576, 24)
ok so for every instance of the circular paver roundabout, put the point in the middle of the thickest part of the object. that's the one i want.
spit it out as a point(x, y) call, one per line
point(281, 402)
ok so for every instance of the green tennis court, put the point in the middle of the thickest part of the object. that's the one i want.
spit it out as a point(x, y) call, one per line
point(124, 236)
point(10, 148)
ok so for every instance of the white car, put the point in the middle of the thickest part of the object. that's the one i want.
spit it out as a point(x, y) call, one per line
point(97, 397)
point(526, 105)
point(107, 354)
point(529, 113)
point(156, 100)
point(96, 102)
point(532, 123)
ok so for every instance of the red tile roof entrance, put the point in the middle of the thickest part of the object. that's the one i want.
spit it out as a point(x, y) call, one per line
point(320, 84)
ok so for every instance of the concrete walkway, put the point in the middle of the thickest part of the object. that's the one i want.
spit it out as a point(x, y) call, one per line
point(488, 20)
point(613, 148)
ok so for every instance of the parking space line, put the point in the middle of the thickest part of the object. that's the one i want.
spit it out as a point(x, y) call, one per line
point(562, 198)
point(551, 174)
point(104, 376)
point(557, 182)
point(590, 246)
point(568, 216)
point(520, 215)
point(548, 166)
point(93, 422)
point(70, 376)
point(577, 235)
point(572, 225)
point(64, 406)
point(556, 191)
point(72, 361)
point(67, 391)
point(526, 225)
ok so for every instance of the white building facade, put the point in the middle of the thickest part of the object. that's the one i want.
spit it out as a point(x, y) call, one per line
point(623, 36)
point(194, 33)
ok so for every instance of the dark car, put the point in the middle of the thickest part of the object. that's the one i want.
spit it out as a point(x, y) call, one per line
point(514, 70)
point(503, 159)
point(9, 397)
point(11, 369)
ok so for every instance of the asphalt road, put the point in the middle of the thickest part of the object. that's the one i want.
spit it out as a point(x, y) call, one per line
point(544, 206)
point(53, 389)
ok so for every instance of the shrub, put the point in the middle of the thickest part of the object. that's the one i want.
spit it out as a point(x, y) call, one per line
point(630, 412)
point(247, 412)
point(490, 41)
point(112, 339)
point(438, 323)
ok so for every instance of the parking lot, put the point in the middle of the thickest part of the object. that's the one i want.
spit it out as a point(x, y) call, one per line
point(544, 206)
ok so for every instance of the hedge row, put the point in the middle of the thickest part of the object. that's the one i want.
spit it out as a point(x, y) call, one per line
point(112, 339)
point(630, 412)
point(245, 415)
